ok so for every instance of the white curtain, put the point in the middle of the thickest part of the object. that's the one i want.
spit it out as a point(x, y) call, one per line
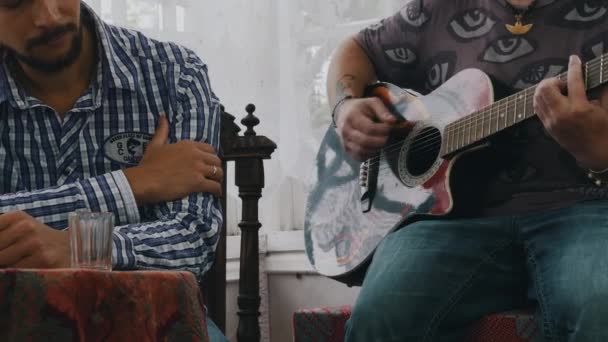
point(273, 53)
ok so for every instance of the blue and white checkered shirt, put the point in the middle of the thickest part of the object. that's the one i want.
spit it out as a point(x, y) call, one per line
point(50, 168)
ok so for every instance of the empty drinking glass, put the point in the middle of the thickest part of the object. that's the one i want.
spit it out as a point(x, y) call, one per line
point(91, 239)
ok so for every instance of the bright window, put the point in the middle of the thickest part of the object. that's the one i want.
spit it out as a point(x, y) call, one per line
point(273, 53)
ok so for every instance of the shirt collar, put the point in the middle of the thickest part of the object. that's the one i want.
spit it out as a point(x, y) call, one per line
point(9, 90)
point(110, 73)
point(114, 62)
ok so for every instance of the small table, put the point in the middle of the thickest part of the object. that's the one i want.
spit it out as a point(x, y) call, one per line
point(87, 305)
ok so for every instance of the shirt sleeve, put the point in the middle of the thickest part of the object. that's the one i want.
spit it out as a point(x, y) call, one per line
point(182, 234)
point(392, 44)
point(52, 205)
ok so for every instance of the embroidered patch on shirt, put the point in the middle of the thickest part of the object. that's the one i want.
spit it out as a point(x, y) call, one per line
point(126, 148)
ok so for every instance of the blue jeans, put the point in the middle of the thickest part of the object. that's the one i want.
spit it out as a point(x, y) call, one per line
point(215, 334)
point(430, 280)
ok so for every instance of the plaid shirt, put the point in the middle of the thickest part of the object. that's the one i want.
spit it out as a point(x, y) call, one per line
point(50, 168)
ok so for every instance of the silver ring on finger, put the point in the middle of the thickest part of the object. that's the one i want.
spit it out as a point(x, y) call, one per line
point(214, 171)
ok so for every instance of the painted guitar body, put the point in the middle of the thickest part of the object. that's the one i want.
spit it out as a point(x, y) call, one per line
point(354, 205)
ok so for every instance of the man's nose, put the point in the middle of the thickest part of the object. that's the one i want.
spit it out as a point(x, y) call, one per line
point(46, 13)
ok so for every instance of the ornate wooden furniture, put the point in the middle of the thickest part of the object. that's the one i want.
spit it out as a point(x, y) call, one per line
point(247, 151)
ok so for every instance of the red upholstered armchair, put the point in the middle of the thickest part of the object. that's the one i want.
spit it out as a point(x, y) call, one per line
point(328, 325)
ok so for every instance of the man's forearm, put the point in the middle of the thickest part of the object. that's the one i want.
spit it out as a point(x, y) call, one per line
point(350, 72)
point(184, 239)
point(51, 206)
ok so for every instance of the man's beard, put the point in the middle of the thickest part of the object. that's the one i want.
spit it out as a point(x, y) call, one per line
point(59, 64)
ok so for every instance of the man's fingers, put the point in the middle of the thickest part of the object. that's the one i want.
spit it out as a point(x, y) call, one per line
point(550, 93)
point(562, 85)
point(378, 129)
point(162, 132)
point(214, 172)
point(211, 159)
point(11, 218)
point(540, 108)
point(9, 236)
point(370, 142)
point(211, 186)
point(206, 148)
point(367, 125)
point(380, 111)
point(10, 256)
point(576, 85)
point(27, 262)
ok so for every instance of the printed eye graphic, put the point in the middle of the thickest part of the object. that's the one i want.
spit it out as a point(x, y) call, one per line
point(438, 74)
point(508, 49)
point(401, 55)
point(580, 14)
point(472, 24)
point(440, 70)
point(413, 15)
point(587, 11)
point(534, 73)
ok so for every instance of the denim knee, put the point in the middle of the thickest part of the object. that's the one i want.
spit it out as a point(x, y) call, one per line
point(581, 315)
point(372, 320)
point(383, 312)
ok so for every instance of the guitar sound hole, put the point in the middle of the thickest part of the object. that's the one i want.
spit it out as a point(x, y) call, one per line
point(423, 151)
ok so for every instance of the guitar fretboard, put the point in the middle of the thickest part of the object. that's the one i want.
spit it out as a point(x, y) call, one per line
point(510, 111)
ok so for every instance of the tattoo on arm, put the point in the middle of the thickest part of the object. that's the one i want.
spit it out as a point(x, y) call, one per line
point(344, 86)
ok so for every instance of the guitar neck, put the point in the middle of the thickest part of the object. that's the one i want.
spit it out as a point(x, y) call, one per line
point(510, 111)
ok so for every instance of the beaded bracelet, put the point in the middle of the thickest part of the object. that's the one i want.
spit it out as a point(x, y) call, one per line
point(338, 104)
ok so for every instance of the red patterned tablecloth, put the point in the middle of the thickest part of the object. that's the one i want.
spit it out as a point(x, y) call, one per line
point(84, 305)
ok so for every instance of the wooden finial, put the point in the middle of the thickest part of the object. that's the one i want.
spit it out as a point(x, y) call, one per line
point(250, 120)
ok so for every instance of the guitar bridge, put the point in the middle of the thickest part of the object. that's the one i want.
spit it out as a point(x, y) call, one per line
point(368, 180)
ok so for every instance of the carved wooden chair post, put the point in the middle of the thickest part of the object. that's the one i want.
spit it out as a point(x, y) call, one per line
point(248, 152)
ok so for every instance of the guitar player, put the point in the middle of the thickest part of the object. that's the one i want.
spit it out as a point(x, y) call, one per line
point(537, 231)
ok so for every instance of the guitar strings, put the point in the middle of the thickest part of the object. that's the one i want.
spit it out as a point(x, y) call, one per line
point(506, 103)
point(592, 68)
point(424, 141)
point(473, 120)
point(417, 149)
point(592, 71)
point(428, 136)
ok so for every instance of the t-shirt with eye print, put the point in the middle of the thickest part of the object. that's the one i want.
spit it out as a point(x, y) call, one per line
point(428, 41)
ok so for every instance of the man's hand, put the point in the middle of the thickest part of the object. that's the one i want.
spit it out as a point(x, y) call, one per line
point(27, 243)
point(578, 125)
point(168, 172)
point(364, 126)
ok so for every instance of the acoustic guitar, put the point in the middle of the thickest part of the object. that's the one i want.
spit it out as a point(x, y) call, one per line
point(354, 205)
